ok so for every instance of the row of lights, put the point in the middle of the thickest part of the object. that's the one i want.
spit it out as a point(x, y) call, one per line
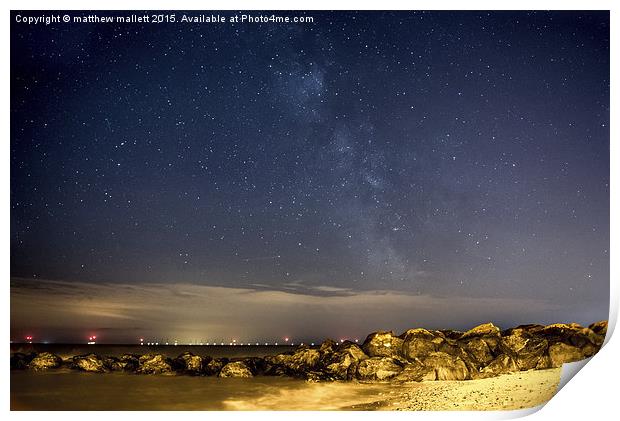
point(92, 341)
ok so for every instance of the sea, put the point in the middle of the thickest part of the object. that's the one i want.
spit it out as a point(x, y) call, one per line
point(65, 389)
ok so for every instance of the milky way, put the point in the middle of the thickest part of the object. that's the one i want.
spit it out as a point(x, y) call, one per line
point(454, 155)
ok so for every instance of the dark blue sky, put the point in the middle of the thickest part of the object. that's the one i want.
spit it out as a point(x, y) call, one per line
point(447, 154)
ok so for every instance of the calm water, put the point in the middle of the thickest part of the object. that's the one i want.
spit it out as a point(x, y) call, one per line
point(70, 390)
point(70, 350)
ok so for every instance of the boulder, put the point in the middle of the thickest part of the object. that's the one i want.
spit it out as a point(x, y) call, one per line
point(302, 361)
point(382, 344)
point(256, 365)
point(488, 332)
point(419, 343)
point(235, 369)
point(454, 349)
point(447, 367)
point(278, 365)
point(112, 364)
point(342, 363)
point(416, 371)
point(502, 364)
point(529, 330)
point(154, 364)
point(600, 328)
point(45, 361)
point(560, 353)
point(128, 362)
point(451, 334)
point(525, 347)
point(378, 368)
point(91, 363)
point(315, 376)
point(328, 346)
point(528, 357)
point(188, 363)
point(214, 366)
point(478, 349)
point(486, 329)
point(20, 361)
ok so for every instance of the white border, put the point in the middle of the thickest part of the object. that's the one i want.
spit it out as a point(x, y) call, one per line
point(590, 395)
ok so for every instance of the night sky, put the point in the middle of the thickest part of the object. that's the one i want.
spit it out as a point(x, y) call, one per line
point(365, 171)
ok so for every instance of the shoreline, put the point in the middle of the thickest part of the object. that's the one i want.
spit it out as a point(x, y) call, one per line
point(72, 390)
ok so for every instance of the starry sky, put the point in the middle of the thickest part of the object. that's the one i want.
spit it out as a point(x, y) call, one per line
point(367, 170)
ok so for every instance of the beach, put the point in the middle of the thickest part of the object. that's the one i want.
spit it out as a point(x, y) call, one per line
point(70, 390)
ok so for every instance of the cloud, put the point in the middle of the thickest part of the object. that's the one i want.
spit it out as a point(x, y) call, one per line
point(209, 313)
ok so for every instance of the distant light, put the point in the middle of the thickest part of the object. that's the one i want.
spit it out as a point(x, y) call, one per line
point(342, 340)
point(221, 343)
point(312, 344)
point(156, 343)
point(276, 343)
point(266, 344)
point(285, 339)
point(200, 343)
point(356, 341)
point(256, 343)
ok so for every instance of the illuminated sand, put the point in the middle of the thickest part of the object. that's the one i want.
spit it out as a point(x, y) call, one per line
point(68, 390)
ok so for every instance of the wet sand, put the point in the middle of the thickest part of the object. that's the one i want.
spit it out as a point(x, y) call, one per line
point(69, 390)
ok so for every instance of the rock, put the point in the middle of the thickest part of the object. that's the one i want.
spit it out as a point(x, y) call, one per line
point(20, 361)
point(486, 329)
point(382, 344)
point(44, 361)
point(528, 356)
point(128, 362)
point(328, 346)
point(303, 360)
point(447, 367)
point(91, 363)
point(502, 364)
point(235, 369)
point(112, 364)
point(478, 349)
point(342, 363)
point(525, 347)
point(378, 368)
point(530, 329)
point(256, 365)
point(419, 343)
point(188, 363)
point(560, 353)
point(154, 364)
point(451, 334)
point(488, 332)
point(278, 365)
point(543, 363)
point(416, 371)
point(600, 328)
point(214, 366)
point(315, 376)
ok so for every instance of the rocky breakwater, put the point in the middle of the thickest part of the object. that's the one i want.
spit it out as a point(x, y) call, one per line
point(415, 355)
